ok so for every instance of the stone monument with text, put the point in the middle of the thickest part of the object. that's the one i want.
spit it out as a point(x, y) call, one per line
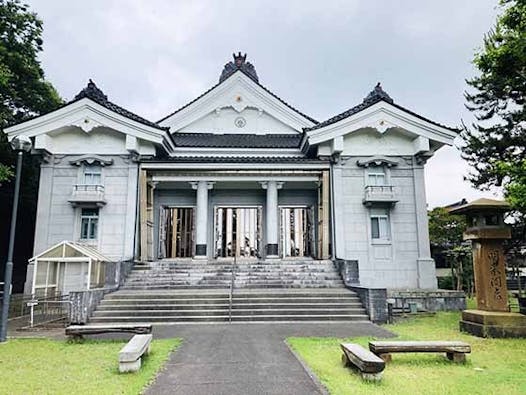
point(487, 232)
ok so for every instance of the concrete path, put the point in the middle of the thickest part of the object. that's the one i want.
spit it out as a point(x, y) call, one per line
point(244, 358)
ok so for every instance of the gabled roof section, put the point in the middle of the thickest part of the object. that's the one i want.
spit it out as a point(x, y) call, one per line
point(230, 69)
point(211, 140)
point(92, 92)
point(375, 96)
point(91, 109)
point(69, 249)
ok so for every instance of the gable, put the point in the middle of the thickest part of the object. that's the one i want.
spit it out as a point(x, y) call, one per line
point(237, 98)
point(91, 123)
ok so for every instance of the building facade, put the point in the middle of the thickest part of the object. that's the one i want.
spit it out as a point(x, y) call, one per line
point(238, 172)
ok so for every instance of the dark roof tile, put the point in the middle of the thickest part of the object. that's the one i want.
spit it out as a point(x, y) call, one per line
point(92, 92)
point(375, 96)
point(210, 140)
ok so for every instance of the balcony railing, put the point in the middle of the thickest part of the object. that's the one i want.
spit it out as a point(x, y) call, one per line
point(375, 194)
point(87, 194)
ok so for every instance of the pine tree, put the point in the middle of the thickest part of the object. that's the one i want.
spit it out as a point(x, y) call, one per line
point(495, 146)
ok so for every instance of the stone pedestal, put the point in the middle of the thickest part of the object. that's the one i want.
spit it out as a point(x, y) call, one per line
point(490, 275)
point(487, 231)
point(493, 324)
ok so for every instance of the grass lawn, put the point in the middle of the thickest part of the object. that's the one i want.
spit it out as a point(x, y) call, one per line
point(495, 366)
point(42, 366)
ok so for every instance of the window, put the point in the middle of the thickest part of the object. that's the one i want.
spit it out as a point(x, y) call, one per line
point(380, 226)
point(92, 175)
point(376, 177)
point(89, 221)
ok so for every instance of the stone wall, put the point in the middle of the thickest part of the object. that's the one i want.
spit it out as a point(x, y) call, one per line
point(404, 260)
point(375, 302)
point(83, 303)
point(430, 300)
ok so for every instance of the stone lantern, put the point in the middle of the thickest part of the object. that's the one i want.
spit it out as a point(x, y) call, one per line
point(487, 232)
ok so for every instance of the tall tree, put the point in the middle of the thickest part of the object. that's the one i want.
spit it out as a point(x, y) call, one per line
point(24, 92)
point(495, 146)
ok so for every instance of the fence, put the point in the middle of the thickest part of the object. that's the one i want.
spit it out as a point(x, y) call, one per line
point(30, 312)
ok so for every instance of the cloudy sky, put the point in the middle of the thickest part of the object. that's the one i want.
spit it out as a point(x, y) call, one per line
point(323, 57)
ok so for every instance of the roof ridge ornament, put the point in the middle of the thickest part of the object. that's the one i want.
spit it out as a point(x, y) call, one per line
point(378, 94)
point(92, 91)
point(239, 63)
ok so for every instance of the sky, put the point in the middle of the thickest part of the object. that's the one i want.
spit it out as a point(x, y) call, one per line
point(323, 57)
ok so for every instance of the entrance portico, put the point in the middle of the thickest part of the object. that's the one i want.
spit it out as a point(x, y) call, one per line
point(249, 214)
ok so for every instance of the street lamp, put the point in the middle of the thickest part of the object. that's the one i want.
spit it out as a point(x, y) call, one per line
point(19, 145)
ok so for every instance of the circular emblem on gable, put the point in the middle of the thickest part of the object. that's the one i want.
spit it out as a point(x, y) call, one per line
point(240, 122)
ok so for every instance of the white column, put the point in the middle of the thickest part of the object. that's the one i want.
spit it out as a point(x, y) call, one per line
point(272, 219)
point(201, 226)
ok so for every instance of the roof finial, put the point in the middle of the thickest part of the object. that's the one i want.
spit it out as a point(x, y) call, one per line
point(377, 94)
point(92, 91)
point(239, 63)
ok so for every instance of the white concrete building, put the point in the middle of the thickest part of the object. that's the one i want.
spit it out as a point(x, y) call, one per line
point(240, 172)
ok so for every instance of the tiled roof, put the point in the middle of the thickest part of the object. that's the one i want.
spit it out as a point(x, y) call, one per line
point(91, 91)
point(210, 140)
point(241, 159)
point(375, 96)
point(230, 69)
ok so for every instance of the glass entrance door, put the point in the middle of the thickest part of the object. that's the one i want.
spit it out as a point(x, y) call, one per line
point(237, 232)
point(296, 232)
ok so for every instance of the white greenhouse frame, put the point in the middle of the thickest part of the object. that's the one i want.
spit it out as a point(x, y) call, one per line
point(83, 254)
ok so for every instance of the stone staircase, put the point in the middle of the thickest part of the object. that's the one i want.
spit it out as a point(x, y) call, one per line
point(255, 305)
point(190, 292)
point(247, 274)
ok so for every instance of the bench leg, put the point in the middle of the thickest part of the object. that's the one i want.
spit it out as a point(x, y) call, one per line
point(372, 376)
point(133, 366)
point(386, 357)
point(458, 357)
point(345, 360)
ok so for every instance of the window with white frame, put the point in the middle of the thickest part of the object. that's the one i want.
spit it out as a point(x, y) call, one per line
point(380, 227)
point(89, 223)
point(376, 176)
point(92, 175)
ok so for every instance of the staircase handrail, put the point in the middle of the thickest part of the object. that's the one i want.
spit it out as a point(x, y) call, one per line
point(230, 297)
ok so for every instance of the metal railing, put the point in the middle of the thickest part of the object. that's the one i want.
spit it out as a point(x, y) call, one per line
point(45, 311)
point(379, 193)
point(231, 294)
point(87, 193)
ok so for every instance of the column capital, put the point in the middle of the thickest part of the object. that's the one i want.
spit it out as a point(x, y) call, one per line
point(265, 184)
point(195, 184)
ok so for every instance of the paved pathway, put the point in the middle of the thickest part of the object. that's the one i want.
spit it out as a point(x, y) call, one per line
point(244, 358)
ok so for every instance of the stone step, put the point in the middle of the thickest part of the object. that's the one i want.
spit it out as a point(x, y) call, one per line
point(171, 286)
point(238, 294)
point(235, 312)
point(225, 318)
point(197, 304)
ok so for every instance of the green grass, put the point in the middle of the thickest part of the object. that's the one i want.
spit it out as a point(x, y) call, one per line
point(495, 366)
point(42, 366)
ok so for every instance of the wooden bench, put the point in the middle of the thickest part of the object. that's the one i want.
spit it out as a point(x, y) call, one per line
point(130, 355)
point(455, 351)
point(77, 331)
point(370, 365)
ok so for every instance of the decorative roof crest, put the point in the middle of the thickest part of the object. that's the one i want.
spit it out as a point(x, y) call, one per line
point(239, 63)
point(378, 94)
point(91, 91)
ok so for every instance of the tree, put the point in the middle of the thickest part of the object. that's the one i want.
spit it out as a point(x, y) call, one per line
point(24, 92)
point(495, 147)
point(445, 235)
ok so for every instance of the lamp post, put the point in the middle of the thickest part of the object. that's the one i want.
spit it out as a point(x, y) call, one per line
point(19, 145)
